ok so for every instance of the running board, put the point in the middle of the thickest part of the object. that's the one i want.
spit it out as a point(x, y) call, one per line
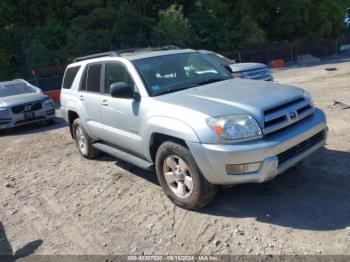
point(141, 163)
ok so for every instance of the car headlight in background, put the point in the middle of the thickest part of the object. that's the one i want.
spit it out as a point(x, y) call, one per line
point(48, 102)
point(309, 97)
point(238, 74)
point(3, 109)
point(235, 127)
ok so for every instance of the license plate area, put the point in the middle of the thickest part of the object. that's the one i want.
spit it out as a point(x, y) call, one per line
point(29, 115)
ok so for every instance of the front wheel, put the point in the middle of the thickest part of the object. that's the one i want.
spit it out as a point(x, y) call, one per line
point(180, 177)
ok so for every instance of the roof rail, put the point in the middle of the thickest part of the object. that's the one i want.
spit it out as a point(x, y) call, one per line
point(160, 48)
point(112, 53)
point(129, 50)
point(145, 49)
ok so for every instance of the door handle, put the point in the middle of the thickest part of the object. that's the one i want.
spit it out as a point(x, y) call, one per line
point(104, 102)
point(81, 97)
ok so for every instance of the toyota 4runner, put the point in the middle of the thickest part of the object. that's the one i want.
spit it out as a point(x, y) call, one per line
point(182, 113)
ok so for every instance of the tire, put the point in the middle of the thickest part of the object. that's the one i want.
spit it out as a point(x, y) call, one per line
point(191, 194)
point(50, 122)
point(83, 141)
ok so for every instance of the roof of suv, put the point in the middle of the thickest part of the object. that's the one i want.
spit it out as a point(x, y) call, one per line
point(133, 54)
point(152, 53)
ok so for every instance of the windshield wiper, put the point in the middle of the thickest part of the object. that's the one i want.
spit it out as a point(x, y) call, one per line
point(211, 80)
point(208, 81)
point(172, 90)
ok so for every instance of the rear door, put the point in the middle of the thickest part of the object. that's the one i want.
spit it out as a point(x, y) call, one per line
point(89, 96)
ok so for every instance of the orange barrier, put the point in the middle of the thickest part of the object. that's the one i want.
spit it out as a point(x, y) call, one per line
point(277, 63)
point(54, 95)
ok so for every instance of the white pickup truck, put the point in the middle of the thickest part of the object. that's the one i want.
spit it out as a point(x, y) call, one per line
point(254, 71)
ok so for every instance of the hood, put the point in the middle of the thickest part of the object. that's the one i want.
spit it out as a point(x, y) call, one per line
point(21, 99)
point(240, 67)
point(234, 96)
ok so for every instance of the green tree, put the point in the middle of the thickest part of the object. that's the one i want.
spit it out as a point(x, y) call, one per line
point(325, 18)
point(46, 34)
point(173, 27)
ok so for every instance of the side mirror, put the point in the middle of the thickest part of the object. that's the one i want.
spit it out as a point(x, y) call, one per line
point(121, 90)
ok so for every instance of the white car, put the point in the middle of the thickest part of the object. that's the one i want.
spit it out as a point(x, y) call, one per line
point(22, 103)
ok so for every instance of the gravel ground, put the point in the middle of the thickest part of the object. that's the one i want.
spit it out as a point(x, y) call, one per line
point(53, 201)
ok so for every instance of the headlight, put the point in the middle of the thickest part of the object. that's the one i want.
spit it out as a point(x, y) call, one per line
point(308, 96)
point(48, 102)
point(3, 108)
point(238, 74)
point(235, 127)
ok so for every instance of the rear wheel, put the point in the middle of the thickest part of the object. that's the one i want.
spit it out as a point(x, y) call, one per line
point(83, 141)
point(180, 177)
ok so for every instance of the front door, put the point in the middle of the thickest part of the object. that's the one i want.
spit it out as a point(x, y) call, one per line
point(120, 116)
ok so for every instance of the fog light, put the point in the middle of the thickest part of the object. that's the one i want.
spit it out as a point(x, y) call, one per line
point(240, 169)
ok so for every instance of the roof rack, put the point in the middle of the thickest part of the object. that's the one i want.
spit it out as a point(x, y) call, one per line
point(145, 49)
point(129, 50)
point(112, 53)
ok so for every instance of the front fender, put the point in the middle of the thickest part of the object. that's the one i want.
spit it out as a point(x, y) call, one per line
point(167, 126)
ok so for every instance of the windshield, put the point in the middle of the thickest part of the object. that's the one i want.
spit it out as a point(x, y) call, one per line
point(13, 89)
point(220, 58)
point(171, 73)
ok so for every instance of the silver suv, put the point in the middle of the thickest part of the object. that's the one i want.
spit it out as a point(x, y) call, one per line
point(181, 112)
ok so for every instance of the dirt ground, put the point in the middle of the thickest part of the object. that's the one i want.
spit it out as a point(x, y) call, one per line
point(53, 201)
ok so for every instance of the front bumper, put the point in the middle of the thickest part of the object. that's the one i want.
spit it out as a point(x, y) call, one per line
point(11, 120)
point(289, 144)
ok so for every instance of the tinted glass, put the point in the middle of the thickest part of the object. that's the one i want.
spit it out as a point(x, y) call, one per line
point(83, 80)
point(13, 89)
point(116, 72)
point(171, 73)
point(93, 78)
point(69, 76)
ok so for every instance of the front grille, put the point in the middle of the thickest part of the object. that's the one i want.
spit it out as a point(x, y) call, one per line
point(300, 148)
point(286, 114)
point(28, 107)
point(257, 74)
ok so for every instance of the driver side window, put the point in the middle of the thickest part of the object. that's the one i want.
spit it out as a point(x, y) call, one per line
point(116, 72)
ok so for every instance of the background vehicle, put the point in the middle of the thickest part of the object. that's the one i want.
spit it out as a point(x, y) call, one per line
point(184, 114)
point(22, 103)
point(347, 19)
point(255, 71)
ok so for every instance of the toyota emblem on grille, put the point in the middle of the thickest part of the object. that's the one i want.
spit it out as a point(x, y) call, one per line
point(292, 116)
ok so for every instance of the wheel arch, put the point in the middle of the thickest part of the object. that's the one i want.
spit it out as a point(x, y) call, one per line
point(72, 115)
point(161, 129)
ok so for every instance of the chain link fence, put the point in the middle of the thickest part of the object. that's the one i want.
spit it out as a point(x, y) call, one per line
point(287, 52)
point(290, 52)
point(47, 83)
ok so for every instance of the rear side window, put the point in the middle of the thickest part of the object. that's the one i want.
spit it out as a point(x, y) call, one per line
point(69, 77)
point(91, 78)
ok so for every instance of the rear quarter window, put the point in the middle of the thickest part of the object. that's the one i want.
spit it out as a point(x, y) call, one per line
point(69, 76)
